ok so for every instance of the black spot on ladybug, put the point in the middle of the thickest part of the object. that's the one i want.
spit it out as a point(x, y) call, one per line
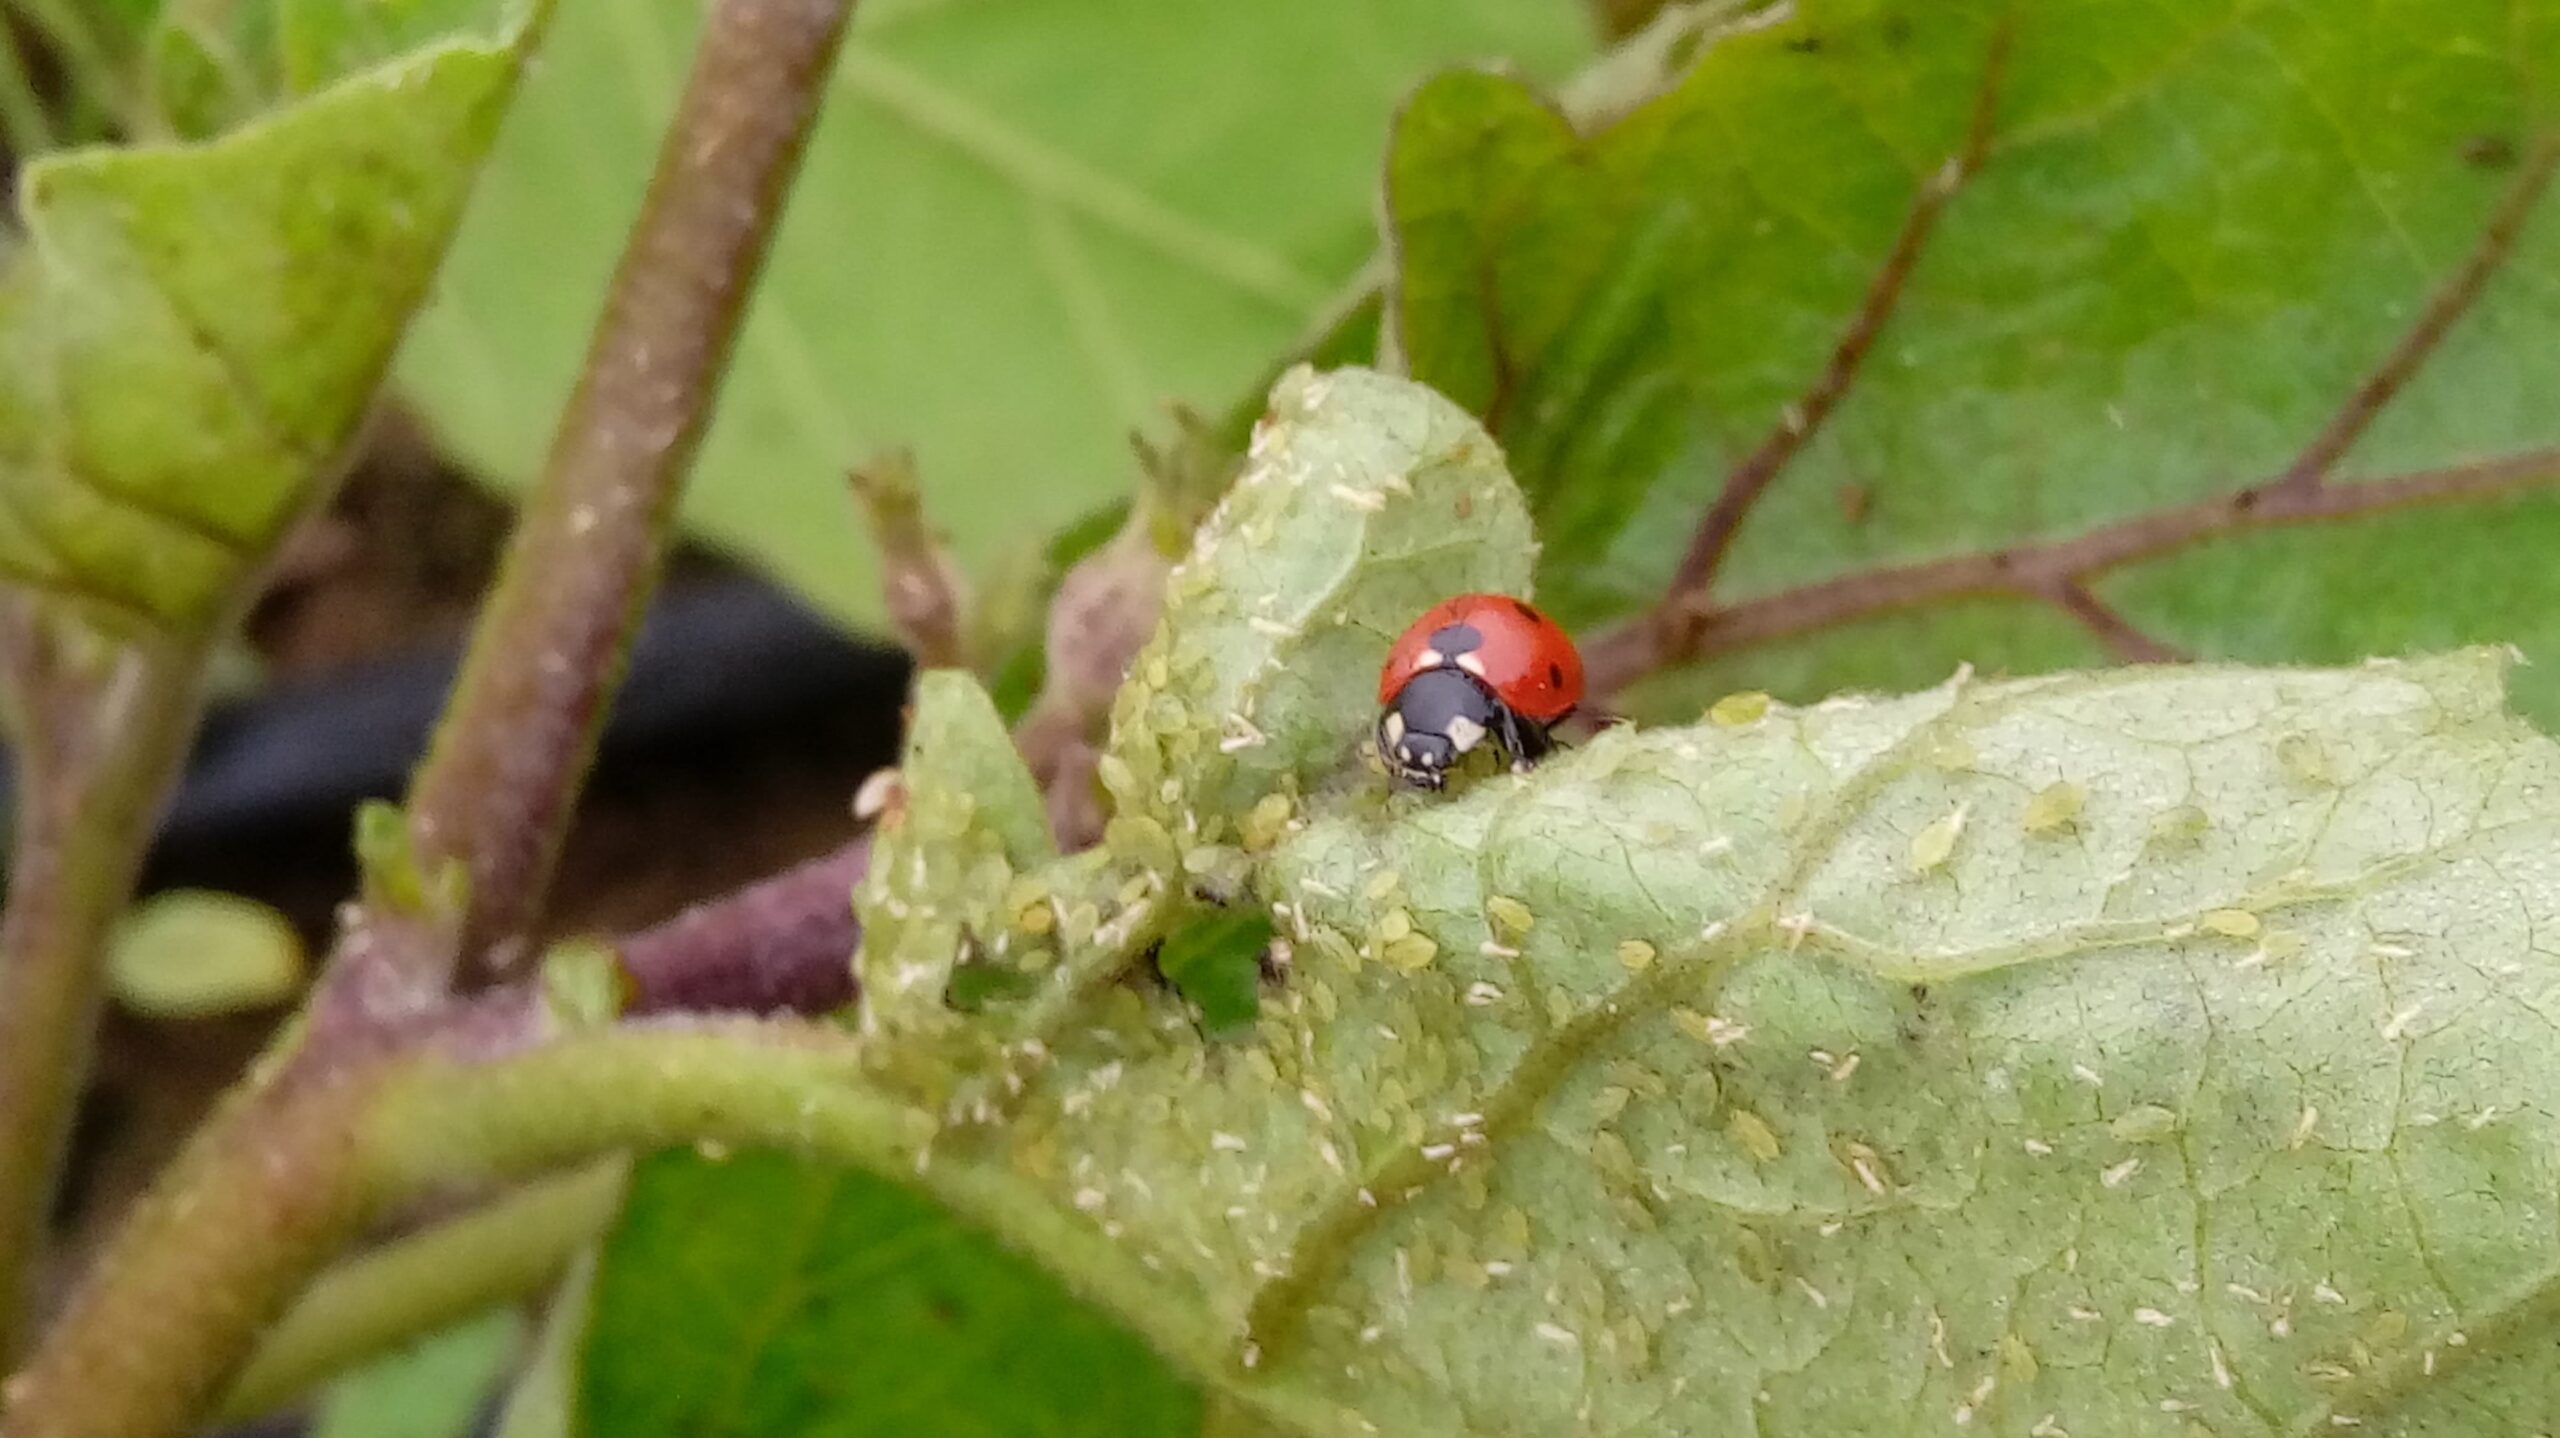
point(1555, 675)
point(1457, 639)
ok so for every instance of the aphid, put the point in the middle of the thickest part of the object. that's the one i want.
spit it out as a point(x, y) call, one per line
point(1475, 667)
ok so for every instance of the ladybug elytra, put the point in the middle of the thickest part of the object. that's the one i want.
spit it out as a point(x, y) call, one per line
point(1473, 667)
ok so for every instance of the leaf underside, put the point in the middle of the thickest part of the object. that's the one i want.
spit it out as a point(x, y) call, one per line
point(2065, 1051)
point(190, 334)
point(2160, 1050)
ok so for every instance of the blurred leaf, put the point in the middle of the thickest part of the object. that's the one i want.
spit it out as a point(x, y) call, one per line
point(1216, 962)
point(1023, 226)
point(546, 1392)
point(195, 953)
point(762, 1296)
point(190, 335)
point(436, 1389)
point(2197, 226)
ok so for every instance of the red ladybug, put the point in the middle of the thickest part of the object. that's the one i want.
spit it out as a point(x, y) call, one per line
point(1476, 665)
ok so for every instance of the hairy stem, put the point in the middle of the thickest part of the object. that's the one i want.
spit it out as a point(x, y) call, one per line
point(784, 944)
point(498, 783)
point(264, 1194)
point(927, 599)
point(101, 730)
point(510, 1250)
point(783, 1084)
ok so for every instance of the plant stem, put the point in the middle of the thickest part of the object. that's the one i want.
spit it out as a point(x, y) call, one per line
point(2040, 569)
point(507, 1251)
point(263, 1195)
point(101, 728)
point(785, 1084)
point(782, 945)
point(505, 768)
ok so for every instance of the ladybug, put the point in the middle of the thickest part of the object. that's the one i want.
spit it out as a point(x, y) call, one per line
point(1473, 666)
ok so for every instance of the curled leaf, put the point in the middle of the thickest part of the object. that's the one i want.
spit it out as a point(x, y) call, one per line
point(1364, 500)
point(969, 823)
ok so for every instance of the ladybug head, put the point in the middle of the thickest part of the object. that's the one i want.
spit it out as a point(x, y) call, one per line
point(1433, 722)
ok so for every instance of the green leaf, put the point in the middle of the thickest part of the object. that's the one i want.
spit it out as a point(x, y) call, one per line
point(190, 334)
point(1022, 226)
point(2194, 230)
point(1216, 962)
point(191, 953)
point(968, 822)
point(1818, 1066)
point(758, 1295)
point(436, 1389)
point(2032, 1056)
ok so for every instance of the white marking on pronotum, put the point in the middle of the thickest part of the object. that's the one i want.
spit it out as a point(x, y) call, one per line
point(1392, 726)
point(1464, 733)
point(1471, 663)
point(1429, 659)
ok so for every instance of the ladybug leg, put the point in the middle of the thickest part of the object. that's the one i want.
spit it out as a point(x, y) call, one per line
point(1524, 740)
